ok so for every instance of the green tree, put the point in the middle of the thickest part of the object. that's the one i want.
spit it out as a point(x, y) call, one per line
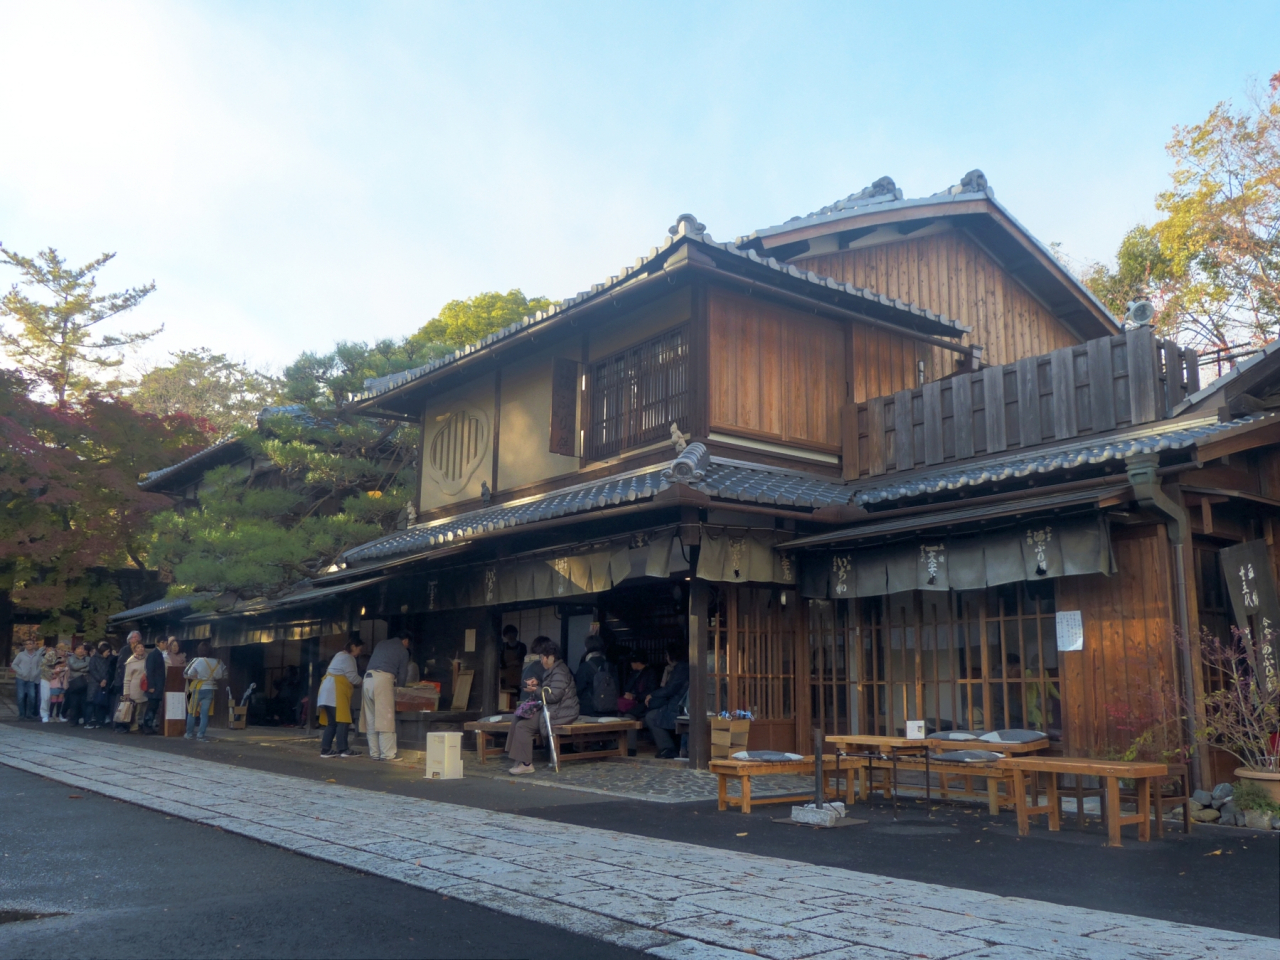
point(207, 386)
point(320, 485)
point(462, 322)
point(1143, 272)
point(53, 337)
point(1221, 227)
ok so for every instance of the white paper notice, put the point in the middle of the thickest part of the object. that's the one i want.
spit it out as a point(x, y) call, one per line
point(469, 643)
point(1070, 630)
point(175, 706)
point(915, 729)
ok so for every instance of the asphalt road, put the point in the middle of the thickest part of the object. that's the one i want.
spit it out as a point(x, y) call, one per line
point(1218, 877)
point(134, 883)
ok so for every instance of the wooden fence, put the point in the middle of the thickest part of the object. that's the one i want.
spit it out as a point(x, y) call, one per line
point(1090, 388)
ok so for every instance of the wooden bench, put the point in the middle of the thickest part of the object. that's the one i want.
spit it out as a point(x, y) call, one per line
point(744, 770)
point(1027, 771)
point(621, 733)
point(947, 771)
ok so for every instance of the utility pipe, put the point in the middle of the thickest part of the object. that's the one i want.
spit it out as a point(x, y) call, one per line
point(1143, 471)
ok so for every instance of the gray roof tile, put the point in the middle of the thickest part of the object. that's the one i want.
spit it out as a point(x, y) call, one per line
point(1168, 435)
point(695, 468)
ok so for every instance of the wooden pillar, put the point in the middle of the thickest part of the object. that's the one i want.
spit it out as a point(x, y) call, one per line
point(488, 636)
point(699, 737)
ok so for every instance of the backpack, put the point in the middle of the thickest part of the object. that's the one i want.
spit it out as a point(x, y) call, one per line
point(604, 689)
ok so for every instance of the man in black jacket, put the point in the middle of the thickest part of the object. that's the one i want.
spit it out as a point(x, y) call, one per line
point(666, 702)
point(155, 689)
point(101, 668)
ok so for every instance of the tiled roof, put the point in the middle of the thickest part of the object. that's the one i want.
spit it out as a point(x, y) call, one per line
point(695, 468)
point(158, 607)
point(686, 228)
point(155, 476)
point(1168, 435)
point(1246, 366)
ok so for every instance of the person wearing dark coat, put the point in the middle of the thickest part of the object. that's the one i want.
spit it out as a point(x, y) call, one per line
point(155, 689)
point(593, 661)
point(560, 692)
point(642, 682)
point(667, 701)
point(101, 669)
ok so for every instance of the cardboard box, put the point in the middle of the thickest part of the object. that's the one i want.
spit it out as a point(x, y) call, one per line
point(444, 756)
point(237, 716)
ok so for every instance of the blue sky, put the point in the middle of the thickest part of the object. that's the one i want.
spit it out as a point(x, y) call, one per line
point(291, 174)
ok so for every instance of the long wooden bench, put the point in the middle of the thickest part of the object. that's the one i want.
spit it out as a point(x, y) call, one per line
point(863, 778)
point(1027, 771)
point(744, 770)
point(620, 733)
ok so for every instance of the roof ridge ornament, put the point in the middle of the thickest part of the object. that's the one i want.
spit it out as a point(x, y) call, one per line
point(882, 190)
point(687, 225)
point(975, 181)
point(691, 465)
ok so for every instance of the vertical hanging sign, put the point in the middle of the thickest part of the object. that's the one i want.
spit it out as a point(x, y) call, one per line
point(1256, 604)
point(564, 407)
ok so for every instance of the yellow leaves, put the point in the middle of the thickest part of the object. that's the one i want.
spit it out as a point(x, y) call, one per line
point(374, 494)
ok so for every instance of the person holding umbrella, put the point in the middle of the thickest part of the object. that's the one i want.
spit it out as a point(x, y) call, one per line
point(557, 690)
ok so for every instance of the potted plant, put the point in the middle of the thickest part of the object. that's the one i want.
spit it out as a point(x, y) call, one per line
point(1242, 716)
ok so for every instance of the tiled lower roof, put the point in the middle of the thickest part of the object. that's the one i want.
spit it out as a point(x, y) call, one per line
point(695, 468)
point(158, 607)
point(1168, 435)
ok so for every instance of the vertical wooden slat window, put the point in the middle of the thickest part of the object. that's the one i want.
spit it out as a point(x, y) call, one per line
point(752, 654)
point(977, 660)
point(636, 394)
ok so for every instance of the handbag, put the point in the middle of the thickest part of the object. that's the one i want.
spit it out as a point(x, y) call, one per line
point(124, 711)
point(143, 685)
point(527, 709)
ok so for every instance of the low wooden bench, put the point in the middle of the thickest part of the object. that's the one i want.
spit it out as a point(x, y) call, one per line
point(744, 770)
point(621, 733)
point(864, 769)
point(1027, 771)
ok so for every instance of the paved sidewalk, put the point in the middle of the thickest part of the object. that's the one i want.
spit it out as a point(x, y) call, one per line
point(678, 901)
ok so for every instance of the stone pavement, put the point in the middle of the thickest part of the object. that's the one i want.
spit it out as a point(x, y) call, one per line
point(676, 901)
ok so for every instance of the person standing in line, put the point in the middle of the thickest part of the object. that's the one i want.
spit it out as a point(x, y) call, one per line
point(334, 700)
point(48, 660)
point(26, 671)
point(135, 670)
point(203, 674)
point(156, 666)
point(77, 686)
point(101, 669)
point(174, 657)
point(117, 684)
point(388, 668)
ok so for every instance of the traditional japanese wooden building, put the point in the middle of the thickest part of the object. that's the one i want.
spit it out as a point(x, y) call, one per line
point(887, 461)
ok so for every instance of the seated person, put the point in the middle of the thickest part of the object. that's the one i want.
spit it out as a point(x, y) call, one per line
point(561, 697)
point(666, 702)
point(642, 682)
point(532, 670)
point(596, 681)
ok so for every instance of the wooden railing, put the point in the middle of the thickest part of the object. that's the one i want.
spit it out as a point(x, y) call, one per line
point(1091, 388)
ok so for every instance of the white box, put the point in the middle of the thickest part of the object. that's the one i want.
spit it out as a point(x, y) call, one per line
point(915, 729)
point(444, 756)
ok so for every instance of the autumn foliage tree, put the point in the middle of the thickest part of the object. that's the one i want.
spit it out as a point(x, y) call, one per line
point(1211, 263)
point(70, 507)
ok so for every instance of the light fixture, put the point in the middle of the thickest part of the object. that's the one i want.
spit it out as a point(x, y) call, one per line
point(362, 611)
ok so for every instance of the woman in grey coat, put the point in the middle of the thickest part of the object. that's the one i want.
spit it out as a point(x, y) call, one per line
point(561, 696)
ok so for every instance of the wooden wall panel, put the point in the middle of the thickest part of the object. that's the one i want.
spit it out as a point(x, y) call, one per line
point(1125, 677)
point(949, 273)
point(882, 364)
point(776, 373)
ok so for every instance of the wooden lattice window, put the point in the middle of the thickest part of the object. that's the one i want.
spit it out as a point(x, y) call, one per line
point(636, 394)
point(751, 647)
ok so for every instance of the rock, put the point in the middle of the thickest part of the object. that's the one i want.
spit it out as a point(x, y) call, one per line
point(1205, 815)
point(1257, 820)
point(1202, 797)
point(1275, 823)
point(826, 817)
point(1196, 805)
point(1228, 811)
point(1223, 791)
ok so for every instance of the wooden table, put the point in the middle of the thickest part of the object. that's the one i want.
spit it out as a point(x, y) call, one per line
point(621, 732)
point(744, 770)
point(1112, 771)
point(875, 747)
point(1008, 749)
